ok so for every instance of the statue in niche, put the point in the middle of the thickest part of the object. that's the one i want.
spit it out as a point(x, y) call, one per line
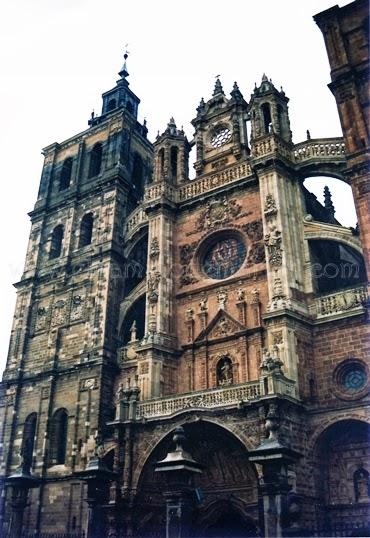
point(361, 485)
point(224, 372)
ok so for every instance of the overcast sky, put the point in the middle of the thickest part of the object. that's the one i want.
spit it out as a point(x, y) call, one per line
point(57, 57)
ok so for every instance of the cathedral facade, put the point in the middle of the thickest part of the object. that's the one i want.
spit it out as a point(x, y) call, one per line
point(190, 357)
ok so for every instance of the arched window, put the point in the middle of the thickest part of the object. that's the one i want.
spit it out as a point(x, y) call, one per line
point(161, 162)
point(86, 229)
point(267, 121)
point(65, 174)
point(112, 104)
point(335, 266)
point(130, 107)
point(361, 485)
point(134, 322)
point(56, 242)
point(28, 440)
point(173, 158)
point(224, 371)
point(135, 267)
point(95, 160)
point(58, 437)
point(138, 173)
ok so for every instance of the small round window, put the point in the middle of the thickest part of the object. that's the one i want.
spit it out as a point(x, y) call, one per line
point(224, 257)
point(221, 137)
point(352, 380)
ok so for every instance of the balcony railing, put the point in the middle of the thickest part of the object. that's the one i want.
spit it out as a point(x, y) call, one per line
point(207, 399)
point(343, 301)
point(319, 149)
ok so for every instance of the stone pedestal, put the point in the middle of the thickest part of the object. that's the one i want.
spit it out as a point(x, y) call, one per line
point(274, 458)
point(180, 470)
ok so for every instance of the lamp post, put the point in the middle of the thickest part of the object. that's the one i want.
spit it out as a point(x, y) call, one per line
point(180, 470)
point(97, 477)
point(274, 457)
point(21, 482)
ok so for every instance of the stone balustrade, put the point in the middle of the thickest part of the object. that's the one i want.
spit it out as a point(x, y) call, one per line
point(213, 181)
point(159, 190)
point(340, 302)
point(230, 395)
point(318, 149)
point(315, 150)
point(135, 220)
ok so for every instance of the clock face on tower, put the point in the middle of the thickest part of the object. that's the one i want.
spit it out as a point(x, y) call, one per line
point(220, 137)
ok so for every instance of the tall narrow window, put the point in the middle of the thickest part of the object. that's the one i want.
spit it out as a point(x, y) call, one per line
point(86, 229)
point(95, 160)
point(28, 440)
point(58, 437)
point(267, 121)
point(174, 153)
point(56, 242)
point(161, 162)
point(65, 174)
point(112, 104)
point(138, 173)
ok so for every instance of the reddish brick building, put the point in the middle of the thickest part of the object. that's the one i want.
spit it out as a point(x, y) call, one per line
point(230, 310)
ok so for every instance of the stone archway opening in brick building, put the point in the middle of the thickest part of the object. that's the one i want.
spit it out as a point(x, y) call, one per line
point(329, 199)
point(228, 486)
point(335, 265)
point(341, 473)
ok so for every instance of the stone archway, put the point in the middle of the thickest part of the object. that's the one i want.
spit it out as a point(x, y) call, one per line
point(228, 486)
point(341, 471)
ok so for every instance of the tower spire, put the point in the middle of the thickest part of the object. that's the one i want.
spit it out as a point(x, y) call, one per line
point(329, 206)
point(124, 73)
point(218, 86)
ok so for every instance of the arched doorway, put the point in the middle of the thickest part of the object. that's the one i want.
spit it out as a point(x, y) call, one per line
point(228, 486)
point(341, 472)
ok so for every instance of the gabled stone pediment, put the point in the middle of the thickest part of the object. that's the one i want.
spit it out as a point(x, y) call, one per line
point(223, 324)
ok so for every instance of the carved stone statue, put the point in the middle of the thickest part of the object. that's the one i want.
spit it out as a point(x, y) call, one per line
point(240, 295)
point(224, 372)
point(203, 304)
point(222, 299)
point(189, 314)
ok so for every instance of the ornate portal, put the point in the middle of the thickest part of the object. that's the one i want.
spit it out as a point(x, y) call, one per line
point(224, 258)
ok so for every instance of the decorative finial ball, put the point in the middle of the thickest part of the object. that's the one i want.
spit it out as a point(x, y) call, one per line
point(179, 435)
point(125, 56)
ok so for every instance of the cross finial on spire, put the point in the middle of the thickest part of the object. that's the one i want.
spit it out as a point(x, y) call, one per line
point(124, 73)
point(218, 86)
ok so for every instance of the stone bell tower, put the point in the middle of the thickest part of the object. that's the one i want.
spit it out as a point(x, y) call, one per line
point(157, 351)
point(283, 210)
point(220, 130)
point(62, 356)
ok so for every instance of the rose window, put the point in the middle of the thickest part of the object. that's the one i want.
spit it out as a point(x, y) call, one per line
point(224, 258)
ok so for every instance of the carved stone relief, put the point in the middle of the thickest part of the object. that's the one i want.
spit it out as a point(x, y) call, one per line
point(254, 230)
point(154, 278)
point(77, 307)
point(273, 246)
point(222, 298)
point(154, 249)
point(217, 213)
point(270, 209)
point(186, 254)
point(59, 315)
point(256, 254)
